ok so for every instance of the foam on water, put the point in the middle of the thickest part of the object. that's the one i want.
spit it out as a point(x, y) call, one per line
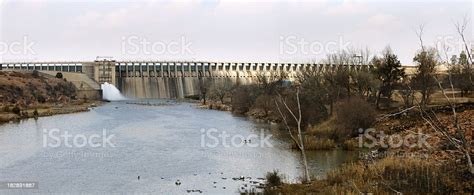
point(111, 93)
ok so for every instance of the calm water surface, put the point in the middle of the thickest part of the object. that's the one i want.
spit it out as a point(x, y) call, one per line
point(161, 144)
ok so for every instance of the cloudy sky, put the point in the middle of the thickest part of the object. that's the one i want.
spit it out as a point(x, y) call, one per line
point(221, 30)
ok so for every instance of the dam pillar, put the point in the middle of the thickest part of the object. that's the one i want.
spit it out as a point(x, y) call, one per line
point(104, 71)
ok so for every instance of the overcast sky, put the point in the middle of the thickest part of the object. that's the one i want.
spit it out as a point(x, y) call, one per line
point(221, 30)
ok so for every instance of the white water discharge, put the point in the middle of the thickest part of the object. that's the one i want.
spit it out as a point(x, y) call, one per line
point(111, 93)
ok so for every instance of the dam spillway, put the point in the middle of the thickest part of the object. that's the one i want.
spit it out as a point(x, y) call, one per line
point(178, 87)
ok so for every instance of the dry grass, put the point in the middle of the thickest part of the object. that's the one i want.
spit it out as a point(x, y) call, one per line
point(386, 176)
point(324, 129)
point(313, 143)
point(350, 144)
point(391, 175)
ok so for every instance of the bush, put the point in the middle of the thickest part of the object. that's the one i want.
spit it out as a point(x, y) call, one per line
point(16, 109)
point(351, 115)
point(265, 103)
point(35, 74)
point(313, 109)
point(59, 75)
point(243, 98)
point(273, 178)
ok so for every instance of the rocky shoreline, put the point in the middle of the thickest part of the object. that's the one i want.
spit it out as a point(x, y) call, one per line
point(26, 94)
point(255, 114)
point(44, 110)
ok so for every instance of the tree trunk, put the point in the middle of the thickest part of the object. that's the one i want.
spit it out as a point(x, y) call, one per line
point(378, 100)
point(469, 163)
point(300, 137)
point(303, 153)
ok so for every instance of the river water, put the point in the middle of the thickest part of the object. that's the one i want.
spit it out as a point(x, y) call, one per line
point(162, 142)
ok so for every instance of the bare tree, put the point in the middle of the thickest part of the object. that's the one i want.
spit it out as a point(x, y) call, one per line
point(280, 101)
point(365, 83)
point(427, 61)
point(419, 34)
point(204, 85)
point(462, 144)
point(220, 90)
point(269, 82)
point(407, 93)
point(460, 28)
point(458, 137)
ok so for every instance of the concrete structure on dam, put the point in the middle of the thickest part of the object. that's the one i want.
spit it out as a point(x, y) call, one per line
point(171, 79)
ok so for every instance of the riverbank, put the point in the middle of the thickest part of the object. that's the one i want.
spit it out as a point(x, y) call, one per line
point(214, 106)
point(319, 137)
point(435, 166)
point(8, 113)
point(254, 113)
point(403, 153)
point(29, 94)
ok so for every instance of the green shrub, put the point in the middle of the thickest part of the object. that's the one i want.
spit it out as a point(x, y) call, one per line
point(59, 75)
point(273, 178)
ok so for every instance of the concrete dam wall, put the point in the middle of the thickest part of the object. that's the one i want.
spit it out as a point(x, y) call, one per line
point(174, 79)
point(172, 87)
